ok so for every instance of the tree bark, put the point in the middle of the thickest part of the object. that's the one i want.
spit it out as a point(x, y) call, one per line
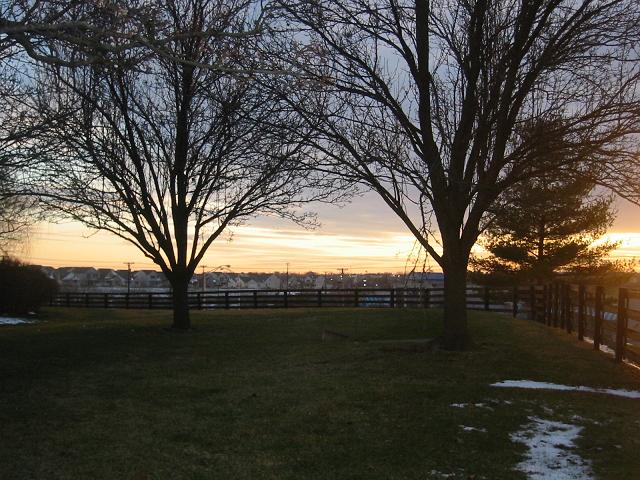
point(181, 318)
point(456, 334)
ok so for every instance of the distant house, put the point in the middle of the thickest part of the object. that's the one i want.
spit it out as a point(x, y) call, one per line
point(273, 282)
point(216, 280)
point(235, 282)
point(309, 280)
point(79, 278)
point(50, 272)
point(111, 278)
point(148, 279)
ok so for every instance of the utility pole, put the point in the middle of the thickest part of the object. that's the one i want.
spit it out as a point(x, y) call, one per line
point(129, 276)
point(286, 281)
point(203, 279)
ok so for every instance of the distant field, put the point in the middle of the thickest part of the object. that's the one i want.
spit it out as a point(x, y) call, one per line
point(102, 394)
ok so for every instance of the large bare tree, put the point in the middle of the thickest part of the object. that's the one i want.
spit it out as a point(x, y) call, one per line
point(170, 153)
point(70, 34)
point(425, 101)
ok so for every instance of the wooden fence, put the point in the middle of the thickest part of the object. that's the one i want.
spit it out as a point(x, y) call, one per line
point(610, 318)
point(478, 298)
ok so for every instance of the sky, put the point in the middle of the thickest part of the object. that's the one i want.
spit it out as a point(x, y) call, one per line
point(363, 236)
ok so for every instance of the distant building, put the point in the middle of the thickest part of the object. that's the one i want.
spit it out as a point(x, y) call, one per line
point(148, 279)
point(273, 282)
point(79, 278)
point(111, 278)
point(424, 280)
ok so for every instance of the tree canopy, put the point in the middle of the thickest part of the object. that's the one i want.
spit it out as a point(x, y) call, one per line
point(546, 226)
point(423, 101)
point(170, 153)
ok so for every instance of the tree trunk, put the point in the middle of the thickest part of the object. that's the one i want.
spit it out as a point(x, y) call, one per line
point(181, 318)
point(456, 334)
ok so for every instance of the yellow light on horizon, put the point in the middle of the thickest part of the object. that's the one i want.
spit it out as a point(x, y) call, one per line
point(261, 249)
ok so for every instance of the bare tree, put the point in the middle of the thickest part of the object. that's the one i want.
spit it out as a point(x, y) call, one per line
point(71, 33)
point(95, 31)
point(20, 128)
point(44, 28)
point(168, 154)
point(423, 100)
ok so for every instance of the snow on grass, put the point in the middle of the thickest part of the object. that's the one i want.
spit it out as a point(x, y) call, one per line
point(568, 388)
point(603, 347)
point(472, 429)
point(477, 405)
point(549, 452)
point(12, 321)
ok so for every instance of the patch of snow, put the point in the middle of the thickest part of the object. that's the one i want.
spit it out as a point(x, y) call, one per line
point(567, 388)
point(603, 347)
point(438, 474)
point(472, 429)
point(477, 405)
point(499, 402)
point(549, 452)
point(12, 321)
point(610, 351)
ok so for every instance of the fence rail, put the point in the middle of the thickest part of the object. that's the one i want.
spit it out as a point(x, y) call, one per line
point(609, 318)
point(478, 298)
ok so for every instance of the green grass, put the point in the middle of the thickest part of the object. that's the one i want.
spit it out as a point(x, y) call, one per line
point(256, 394)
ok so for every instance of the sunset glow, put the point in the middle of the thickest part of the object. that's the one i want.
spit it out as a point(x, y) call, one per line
point(259, 249)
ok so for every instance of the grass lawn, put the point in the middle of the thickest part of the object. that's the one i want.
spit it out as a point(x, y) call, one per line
point(102, 394)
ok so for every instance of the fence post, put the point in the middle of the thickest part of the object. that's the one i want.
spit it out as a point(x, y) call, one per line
point(563, 305)
point(582, 293)
point(255, 299)
point(68, 299)
point(486, 298)
point(319, 298)
point(150, 301)
point(286, 300)
point(226, 300)
point(597, 334)
point(514, 299)
point(126, 301)
point(621, 323)
point(426, 298)
point(356, 297)
point(532, 301)
point(553, 319)
point(556, 303)
point(392, 298)
point(569, 314)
